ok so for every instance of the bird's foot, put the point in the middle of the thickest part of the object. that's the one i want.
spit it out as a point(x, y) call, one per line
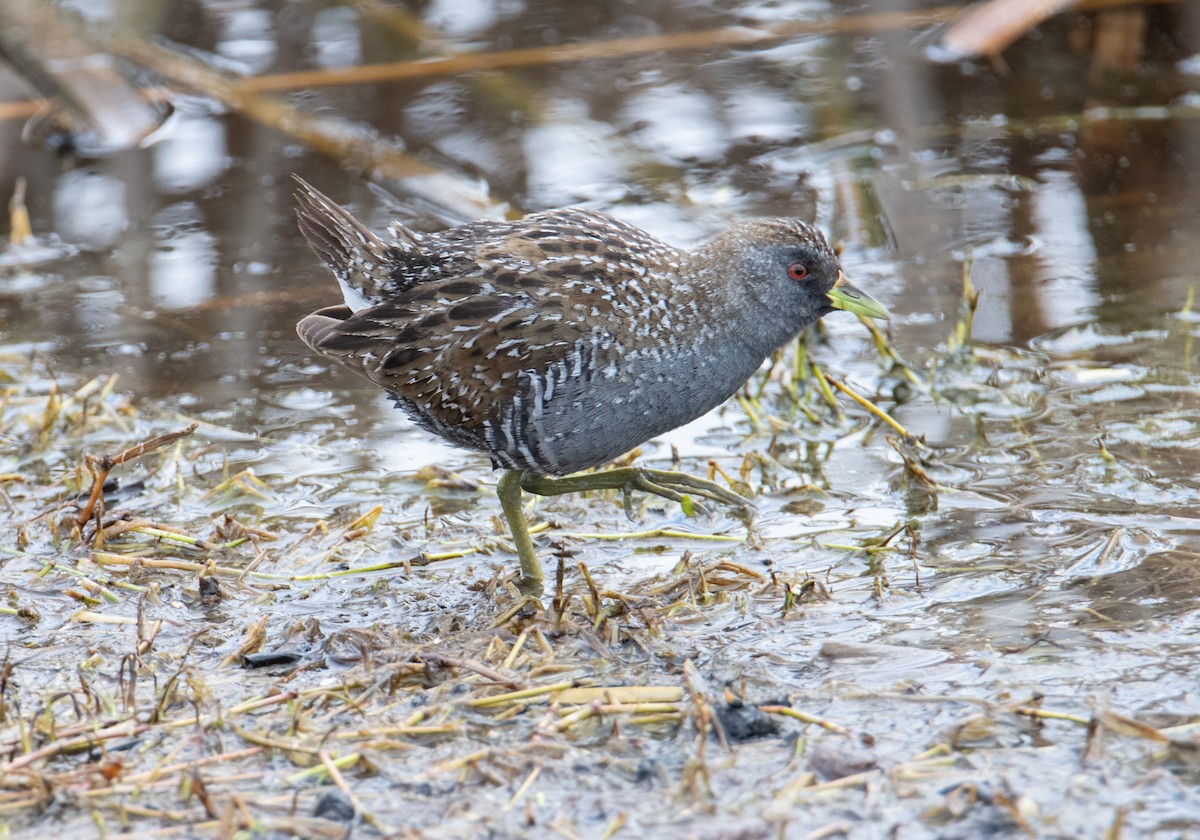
point(675, 486)
point(682, 488)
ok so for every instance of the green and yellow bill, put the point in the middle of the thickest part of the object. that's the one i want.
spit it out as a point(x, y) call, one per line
point(845, 295)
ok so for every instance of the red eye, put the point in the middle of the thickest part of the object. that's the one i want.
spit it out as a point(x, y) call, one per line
point(797, 271)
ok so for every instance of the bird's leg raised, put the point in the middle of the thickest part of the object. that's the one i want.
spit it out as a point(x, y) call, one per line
point(666, 483)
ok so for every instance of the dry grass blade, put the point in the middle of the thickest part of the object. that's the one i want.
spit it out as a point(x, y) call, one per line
point(987, 28)
point(356, 145)
point(478, 668)
point(119, 730)
point(619, 694)
point(101, 466)
point(256, 634)
point(871, 407)
point(20, 231)
point(706, 39)
point(520, 696)
point(100, 618)
point(101, 105)
point(804, 717)
point(1122, 725)
point(336, 775)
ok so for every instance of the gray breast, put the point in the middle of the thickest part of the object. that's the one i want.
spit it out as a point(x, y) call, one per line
point(605, 398)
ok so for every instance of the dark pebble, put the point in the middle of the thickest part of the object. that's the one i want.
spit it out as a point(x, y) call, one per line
point(334, 805)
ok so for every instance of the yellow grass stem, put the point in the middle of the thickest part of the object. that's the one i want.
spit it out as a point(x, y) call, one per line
point(797, 714)
point(320, 772)
point(869, 406)
point(524, 694)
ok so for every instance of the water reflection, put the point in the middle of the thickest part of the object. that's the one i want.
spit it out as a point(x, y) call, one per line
point(183, 274)
point(1080, 232)
point(1066, 252)
point(191, 153)
point(918, 168)
point(89, 209)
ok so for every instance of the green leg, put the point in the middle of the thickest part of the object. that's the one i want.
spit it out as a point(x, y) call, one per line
point(509, 491)
point(666, 483)
point(674, 486)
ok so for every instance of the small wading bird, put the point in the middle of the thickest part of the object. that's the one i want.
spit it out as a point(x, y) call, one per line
point(557, 342)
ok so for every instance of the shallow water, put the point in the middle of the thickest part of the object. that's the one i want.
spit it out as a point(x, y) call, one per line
point(1040, 568)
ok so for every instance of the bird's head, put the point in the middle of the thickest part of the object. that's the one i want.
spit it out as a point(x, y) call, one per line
point(787, 267)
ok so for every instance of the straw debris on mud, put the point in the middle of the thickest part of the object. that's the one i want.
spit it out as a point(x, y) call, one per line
point(198, 643)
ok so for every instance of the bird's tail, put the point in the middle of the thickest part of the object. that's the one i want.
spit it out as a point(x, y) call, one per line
point(358, 258)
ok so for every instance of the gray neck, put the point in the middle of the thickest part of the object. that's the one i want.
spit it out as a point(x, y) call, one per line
point(742, 327)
